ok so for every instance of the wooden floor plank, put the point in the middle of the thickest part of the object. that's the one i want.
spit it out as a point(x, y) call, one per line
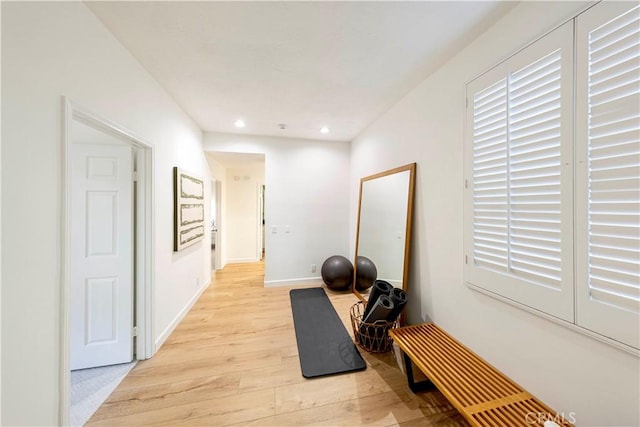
point(220, 411)
point(233, 360)
point(378, 410)
point(327, 390)
point(128, 401)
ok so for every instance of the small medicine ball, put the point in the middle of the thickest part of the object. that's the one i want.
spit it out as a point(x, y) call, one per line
point(366, 273)
point(337, 272)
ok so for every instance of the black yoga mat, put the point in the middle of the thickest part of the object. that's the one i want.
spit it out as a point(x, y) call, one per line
point(380, 287)
point(380, 311)
point(399, 299)
point(374, 334)
point(324, 346)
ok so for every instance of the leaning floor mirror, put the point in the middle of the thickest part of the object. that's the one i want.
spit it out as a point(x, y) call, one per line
point(383, 237)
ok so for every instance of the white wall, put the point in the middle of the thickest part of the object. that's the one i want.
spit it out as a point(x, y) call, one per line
point(0, 237)
point(50, 49)
point(567, 370)
point(241, 206)
point(305, 190)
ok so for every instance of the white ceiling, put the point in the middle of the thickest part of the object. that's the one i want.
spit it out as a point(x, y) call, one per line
point(237, 160)
point(306, 64)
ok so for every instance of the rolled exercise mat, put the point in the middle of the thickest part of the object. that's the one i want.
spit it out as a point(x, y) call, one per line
point(399, 299)
point(380, 311)
point(374, 334)
point(380, 287)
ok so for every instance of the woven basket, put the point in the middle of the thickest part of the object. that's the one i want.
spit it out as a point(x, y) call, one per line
point(373, 337)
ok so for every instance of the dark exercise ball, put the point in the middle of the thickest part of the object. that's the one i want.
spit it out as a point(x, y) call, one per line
point(337, 272)
point(366, 273)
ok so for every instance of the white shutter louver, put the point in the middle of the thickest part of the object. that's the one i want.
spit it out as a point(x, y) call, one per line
point(614, 162)
point(534, 170)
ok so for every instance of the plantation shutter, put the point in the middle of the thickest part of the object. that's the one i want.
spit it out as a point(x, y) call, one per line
point(609, 150)
point(521, 134)
point(534, 171)
point(490, 178)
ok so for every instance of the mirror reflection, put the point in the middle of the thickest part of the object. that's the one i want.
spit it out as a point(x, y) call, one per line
point(384, 226)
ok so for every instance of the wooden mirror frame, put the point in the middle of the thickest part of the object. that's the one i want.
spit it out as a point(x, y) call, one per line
point(407, 244)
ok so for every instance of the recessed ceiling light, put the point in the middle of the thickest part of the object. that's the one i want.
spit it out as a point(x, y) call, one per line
point(239, 123)
point(324, 129)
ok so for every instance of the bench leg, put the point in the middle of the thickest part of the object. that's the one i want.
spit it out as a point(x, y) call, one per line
point(415, 386)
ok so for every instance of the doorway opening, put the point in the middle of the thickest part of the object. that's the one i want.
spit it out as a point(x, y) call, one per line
point(107, 255)
point(216, 214)
point(261, 220)
point(240, 216)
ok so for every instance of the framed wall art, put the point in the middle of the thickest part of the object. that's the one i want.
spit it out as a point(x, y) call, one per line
point(188, 209)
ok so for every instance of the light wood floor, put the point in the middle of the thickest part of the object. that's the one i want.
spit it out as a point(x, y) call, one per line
point(234, 360)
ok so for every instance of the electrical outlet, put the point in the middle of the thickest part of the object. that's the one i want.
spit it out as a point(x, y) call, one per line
point(313, 268)
point(197, 282)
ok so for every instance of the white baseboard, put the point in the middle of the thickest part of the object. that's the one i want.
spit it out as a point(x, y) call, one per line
point(165, 334)
point(303, 281)
point(241, 260)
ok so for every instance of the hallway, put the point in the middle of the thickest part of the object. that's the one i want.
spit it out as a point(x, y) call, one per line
point(233, 360)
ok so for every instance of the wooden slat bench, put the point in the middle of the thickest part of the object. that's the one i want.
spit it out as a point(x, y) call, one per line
point(481, 393)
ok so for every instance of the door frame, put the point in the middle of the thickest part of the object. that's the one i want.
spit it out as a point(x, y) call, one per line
point(143, 258)
point(219, 224)
point(216, 189)
point(260, 231)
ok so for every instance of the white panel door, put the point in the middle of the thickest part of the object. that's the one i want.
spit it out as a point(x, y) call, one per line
point(101, 255)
